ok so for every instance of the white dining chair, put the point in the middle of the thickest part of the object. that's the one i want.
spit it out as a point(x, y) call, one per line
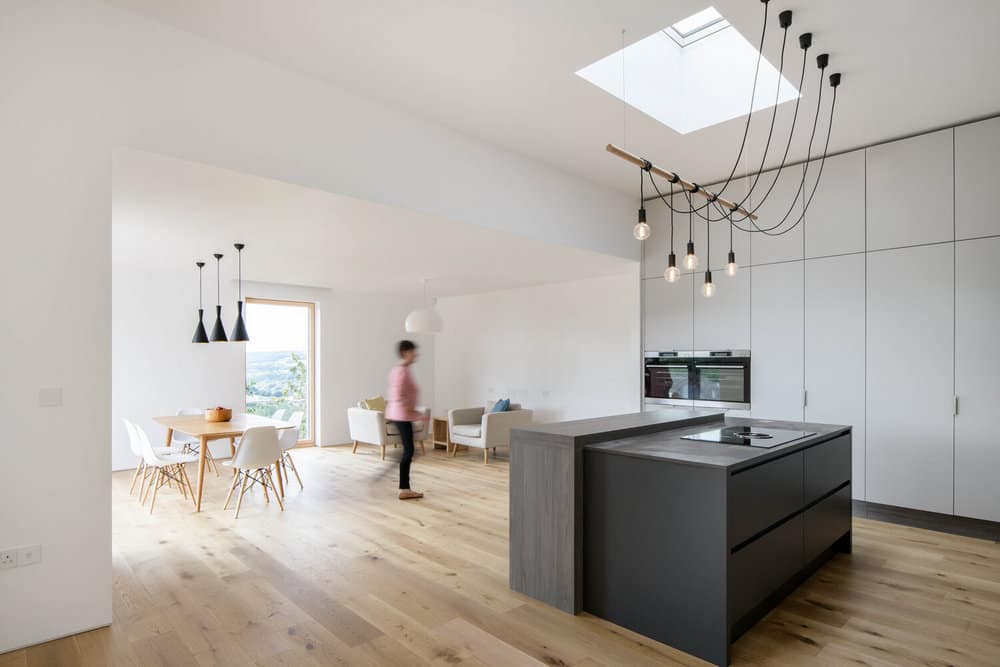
point(166, 466)
point(279, 415)
point(258, 451)
point(142, 472)
point(192, 445)
point(287, 439)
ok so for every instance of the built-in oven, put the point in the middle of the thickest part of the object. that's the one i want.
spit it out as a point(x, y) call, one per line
point(711, 378)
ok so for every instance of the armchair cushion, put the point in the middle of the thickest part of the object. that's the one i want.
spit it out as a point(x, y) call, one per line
point(374, 403)
point(468, 430)
point(503, 405)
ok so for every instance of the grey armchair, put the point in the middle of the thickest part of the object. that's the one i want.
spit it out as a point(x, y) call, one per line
point(476, 427)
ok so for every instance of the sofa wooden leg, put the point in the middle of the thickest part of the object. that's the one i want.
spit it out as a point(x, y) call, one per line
point(383, 452)
point(486, 455)
point(355, 449)
point(454, 450)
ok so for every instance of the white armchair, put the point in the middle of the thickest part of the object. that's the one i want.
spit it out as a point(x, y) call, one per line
point(369, 427)
point(477, 427)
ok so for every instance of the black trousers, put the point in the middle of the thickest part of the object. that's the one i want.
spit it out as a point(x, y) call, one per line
point(406, 435)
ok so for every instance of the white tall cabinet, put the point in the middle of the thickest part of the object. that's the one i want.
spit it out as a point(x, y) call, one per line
point(669, 309)
point(977, 367)
point(776, 341)
point(835, 350)
point(910, 351)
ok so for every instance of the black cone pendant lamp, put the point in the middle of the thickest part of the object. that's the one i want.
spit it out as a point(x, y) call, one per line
point(218, 331)
point(240, 328)
point(199, 332)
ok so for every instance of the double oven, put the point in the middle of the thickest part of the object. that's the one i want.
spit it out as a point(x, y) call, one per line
point(709, 378)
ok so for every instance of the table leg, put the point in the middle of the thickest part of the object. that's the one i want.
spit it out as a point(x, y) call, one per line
point(170, 436)
point(203, 450)
point(232, 451)
point(281, 485)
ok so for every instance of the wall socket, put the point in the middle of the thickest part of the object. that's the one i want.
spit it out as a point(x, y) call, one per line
point(20, 557)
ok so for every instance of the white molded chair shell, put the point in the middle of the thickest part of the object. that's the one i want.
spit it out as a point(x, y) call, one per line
point(279, 415)
point(288, 438)
point(160, 456)
point(181, 438)
point(296, 418)
point(258, 448)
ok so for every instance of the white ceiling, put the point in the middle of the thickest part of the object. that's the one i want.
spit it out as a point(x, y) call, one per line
point(504, 71)
point(168, 213)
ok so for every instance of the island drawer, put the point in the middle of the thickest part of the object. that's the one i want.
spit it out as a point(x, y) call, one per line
point(827, 466)
point(761, 567)
point(761, 496)
point(825, 522)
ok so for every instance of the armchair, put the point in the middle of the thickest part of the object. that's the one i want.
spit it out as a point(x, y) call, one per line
point(476, 427)
point(369, 427)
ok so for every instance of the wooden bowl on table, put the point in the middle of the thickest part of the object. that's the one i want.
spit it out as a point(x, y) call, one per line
point(218, 414)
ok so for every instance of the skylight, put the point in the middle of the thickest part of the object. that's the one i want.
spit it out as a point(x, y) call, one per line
point(693, 74)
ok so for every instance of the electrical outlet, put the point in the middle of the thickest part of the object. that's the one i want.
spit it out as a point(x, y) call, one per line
point(8, 558)
point(29, 555)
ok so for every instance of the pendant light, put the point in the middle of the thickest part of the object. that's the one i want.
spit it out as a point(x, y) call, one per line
point(672, 273)
point(199, 331)
point(690, 259)
point(708, 289)
point(641, 229)
point(731, 263)
point(423, 320)
point(239, 334)
point(218, 331)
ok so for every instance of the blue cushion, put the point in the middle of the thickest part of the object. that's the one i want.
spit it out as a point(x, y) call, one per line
point(503, 405)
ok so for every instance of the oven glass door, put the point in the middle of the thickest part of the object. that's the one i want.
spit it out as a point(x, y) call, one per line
point(667, 381)
point(722, 382)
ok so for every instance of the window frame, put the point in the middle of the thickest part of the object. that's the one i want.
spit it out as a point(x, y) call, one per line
point(310, 306)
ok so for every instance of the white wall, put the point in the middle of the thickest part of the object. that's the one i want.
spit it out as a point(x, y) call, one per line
point(156, 369)
point(82, 79)
point(566, 350)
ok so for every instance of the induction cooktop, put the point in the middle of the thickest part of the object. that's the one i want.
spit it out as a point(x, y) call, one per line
point(751, 436)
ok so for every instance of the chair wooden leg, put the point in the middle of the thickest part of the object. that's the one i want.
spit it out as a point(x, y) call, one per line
point(423, 448)
point(486, 455)
point(383, 452)
point(291, 463)
point(243, 488)
point(156, 487)
point(180, 480)
point(263, 483)
point(277, 495)
point(148, 478)
point(232, 488)
point(354, 450)
point(138, 468)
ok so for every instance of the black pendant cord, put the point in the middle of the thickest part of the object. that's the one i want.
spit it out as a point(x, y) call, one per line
point(730, 232)
point(200, 272)
point(746, 127)
point(774, 113)
point(819, 175)
point(671, 221)
point(708, 249)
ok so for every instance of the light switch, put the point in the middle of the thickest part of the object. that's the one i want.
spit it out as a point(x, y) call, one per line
point(50, 397)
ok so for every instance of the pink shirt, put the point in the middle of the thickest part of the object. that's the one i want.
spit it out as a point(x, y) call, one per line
point(401, 400)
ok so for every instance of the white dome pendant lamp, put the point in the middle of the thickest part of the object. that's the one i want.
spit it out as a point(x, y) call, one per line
point(423, 320)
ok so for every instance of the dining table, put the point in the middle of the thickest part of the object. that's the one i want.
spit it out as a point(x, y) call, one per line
point(197, 426)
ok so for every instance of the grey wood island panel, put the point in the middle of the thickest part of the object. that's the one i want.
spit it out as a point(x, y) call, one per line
point(686, 542)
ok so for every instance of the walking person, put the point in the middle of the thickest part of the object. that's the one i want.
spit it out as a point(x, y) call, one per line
point(401, 410)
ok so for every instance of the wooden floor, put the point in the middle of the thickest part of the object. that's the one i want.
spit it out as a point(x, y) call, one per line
point(349, 575)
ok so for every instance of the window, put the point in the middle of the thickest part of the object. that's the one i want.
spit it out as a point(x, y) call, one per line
point(692, 74)
point(281, 360)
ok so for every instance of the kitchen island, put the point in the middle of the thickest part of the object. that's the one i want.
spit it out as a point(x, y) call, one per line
point(683, 541)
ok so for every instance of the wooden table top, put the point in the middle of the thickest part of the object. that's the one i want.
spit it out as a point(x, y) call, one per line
point(195, 425)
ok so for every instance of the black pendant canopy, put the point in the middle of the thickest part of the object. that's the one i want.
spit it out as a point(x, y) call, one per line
point(199, 331)
point(239, 333)
point(218, 331)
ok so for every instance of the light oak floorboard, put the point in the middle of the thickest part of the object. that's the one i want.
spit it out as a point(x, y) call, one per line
point(348, 575)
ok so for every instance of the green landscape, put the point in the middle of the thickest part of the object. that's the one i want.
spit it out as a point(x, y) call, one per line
point(278, 380)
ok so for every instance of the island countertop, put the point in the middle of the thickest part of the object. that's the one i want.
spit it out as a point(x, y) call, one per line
point(669, 445)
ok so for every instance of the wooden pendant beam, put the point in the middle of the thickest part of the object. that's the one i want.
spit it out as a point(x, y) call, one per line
point(687, 185)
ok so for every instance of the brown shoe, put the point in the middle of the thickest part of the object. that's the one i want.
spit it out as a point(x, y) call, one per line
point(407, 494)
